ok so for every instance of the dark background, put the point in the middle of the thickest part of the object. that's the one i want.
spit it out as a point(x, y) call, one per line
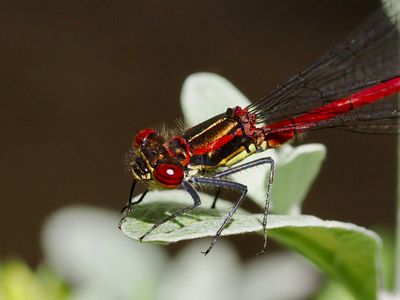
point(78, 79)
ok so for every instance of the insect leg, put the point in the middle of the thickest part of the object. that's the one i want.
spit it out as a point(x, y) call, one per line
point(128, 203)
point(221, 183)
point(216, 198)
point(251, 164)
point(248, 165)
point(127, 209)
point(196, 199)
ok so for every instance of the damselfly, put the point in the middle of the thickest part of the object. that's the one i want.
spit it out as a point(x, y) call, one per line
point(347, 88)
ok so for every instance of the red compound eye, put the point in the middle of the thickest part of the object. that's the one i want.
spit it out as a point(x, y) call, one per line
point(141, 136)
point(168, 175)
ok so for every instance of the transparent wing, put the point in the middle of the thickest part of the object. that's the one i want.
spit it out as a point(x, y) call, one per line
point(369, 56)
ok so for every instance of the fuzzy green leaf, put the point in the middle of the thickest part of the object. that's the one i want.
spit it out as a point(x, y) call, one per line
point(344, 251)
point(205, 95)
point(294, 175)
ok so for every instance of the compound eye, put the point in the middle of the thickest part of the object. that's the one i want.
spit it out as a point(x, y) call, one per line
point(141, 136)
point(169, 175)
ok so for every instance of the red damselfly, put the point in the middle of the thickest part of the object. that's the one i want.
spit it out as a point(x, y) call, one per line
point(347, 88)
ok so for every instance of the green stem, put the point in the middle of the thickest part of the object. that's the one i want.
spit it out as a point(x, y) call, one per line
point(391, 6)
point(397, 253)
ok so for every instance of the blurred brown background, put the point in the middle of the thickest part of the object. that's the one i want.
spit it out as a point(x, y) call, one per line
point(79, 78)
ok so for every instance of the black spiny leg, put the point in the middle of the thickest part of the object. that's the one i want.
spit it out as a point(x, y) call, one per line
point(267, 202)
point(221, 183)
point(196, 199)
point(127, 209)
point(128, 203)
point(251, 164)
point(216, 198)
